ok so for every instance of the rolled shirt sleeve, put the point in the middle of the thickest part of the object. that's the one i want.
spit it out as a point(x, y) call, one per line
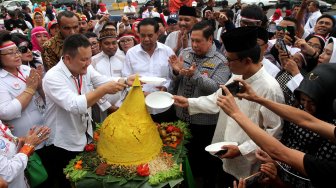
point(10, 168)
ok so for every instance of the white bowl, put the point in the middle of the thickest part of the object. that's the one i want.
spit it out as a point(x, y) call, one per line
point(156, 81)
point(213, 148)
point(159, 101)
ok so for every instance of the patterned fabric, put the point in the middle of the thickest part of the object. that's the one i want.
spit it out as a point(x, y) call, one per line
point(308, 142)
point(210, 73)
point(283, 78)
point(52, 51)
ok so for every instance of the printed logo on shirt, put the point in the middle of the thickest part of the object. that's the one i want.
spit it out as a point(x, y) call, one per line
point(205, 73)
point(16, 86)
point(208, 65)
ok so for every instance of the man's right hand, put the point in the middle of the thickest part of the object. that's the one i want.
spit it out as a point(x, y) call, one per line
point(248, 93)
point(176, 63)
point(113, 87)
point(181, 101)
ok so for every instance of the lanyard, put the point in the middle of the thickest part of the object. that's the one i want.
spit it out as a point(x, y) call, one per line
point(22, 78)
point(78, 84)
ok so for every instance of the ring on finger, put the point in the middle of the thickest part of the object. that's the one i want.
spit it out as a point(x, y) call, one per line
point(39, 135)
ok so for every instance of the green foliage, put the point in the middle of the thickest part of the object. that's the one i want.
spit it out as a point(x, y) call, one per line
point(164, 176)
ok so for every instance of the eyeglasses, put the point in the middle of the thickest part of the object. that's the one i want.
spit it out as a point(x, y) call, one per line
point(125, 41)
point(24, 49)
point(231, 60)
point(316, 46)
point(14, 52)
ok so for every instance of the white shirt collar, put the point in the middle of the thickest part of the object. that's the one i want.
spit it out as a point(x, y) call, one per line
point(65, 68)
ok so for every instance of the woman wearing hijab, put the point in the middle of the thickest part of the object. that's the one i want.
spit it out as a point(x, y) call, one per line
point(295, 67)
point(38, 19)
point(276, 17)
point(318, 166)
point(102, 9)
point(329, 53)
point(39, 36)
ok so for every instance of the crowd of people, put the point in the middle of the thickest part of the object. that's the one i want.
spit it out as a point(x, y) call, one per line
point(63, 70)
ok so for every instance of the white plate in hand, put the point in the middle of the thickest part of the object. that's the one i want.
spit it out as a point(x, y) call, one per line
point(157, 81)
point(218, 146)
point(159, 100)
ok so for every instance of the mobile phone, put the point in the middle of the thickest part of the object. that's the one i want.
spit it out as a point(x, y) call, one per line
point(221, 152)
point(291, 31)
point(282, 45)
point(253, 179)
point(234, 88)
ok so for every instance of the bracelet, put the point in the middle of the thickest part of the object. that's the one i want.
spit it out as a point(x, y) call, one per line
point(29, 90)
point(27, 149)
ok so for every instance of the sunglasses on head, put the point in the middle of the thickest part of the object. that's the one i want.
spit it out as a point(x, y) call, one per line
point(24, 49)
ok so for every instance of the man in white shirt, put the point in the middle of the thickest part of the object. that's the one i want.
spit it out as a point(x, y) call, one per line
point(129, 9)
point(314, 9)
point(243, 55)
point(149, 58)
point(69, 96)
point(262, 41)
point(150, 13)
point(178, 40)
point(106, 63)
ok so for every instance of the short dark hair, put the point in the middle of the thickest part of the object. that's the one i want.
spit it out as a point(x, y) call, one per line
point(252, 11)
point(149, 21)
point(204, 26)
point(73, 42)
point(4, 37)
point(315, 3)
point(327, 16)
point(253, 53)
point(229, 13)
point(90, 35)
point(109, 23)
point(290, 19)
point(65, 13)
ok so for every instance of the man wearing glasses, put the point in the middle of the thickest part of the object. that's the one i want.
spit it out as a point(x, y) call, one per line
point(244, 61)
point(68, 24)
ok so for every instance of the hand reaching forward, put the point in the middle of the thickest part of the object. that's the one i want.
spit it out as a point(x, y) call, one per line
point(113, 87)
point(181, 101)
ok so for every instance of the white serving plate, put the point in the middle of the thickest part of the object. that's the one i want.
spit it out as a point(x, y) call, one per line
point(213, 148)
point(157, 81)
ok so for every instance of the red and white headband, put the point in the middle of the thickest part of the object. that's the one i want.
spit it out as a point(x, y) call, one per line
point(124, 36)
point(7, 46)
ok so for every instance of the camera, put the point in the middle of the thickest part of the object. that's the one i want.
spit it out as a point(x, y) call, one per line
point(234, 88)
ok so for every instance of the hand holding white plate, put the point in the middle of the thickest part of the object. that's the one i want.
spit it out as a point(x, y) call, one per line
point(157, 81)
point(213, 148)
point(159, 100)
